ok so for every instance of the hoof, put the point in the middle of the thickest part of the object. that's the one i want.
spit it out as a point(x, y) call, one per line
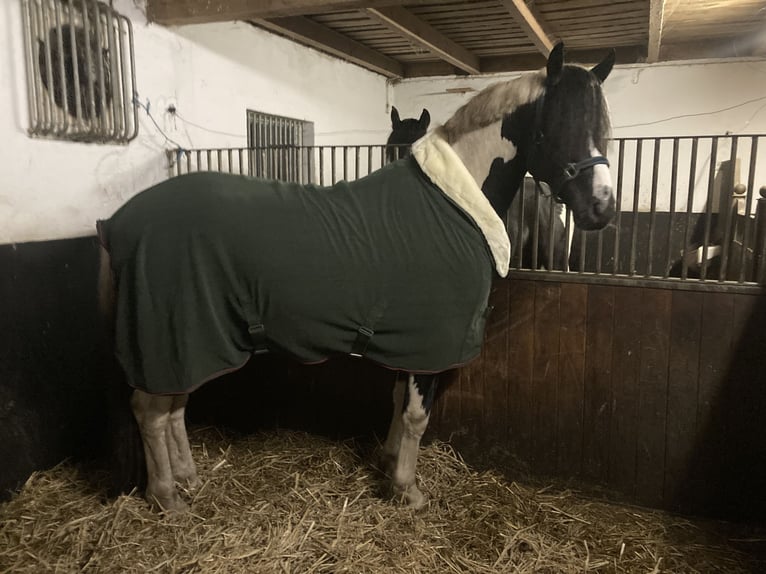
point(411, 496)
point(169, 504)
point(191, 483)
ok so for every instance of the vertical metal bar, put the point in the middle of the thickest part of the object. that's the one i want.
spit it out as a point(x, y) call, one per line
point(709, 206)
point(241, 162)
point(536, 229)
point(521, 198)
point(672, 209)
point(321, 165)
point(99, 58)
point(583, 251)
point(33, 91)
point(553, 208)
point(727, 226)
point(113, 75)
point(636, 194)
point(345, 163)
point(64, 125)
point(357, 158)
point(229, 160)
point(689, 206)
point(333, 160)
point(188, 161)
point(134, 131)
point(750, 191)
point(122, 103)
point(618, 200)
point(75, 68)
point(219, 158)
point(92, 123)
point(369, 159)
point(568, 232)
point(653, 208)
point(50, 105)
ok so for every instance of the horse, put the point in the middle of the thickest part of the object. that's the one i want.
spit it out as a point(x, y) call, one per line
point(204, 270)
point(521, 229)
point(404, 133)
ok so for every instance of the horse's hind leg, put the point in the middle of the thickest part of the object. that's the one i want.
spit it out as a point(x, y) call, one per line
point(152, 413)
point(181, 461)
point(407, 428)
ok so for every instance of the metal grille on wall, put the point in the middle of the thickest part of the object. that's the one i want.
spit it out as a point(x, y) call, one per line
point(80, 71)
point(275, 144)
point(691, 210)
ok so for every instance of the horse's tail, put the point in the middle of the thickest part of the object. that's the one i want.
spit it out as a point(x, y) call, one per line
point(125, 448)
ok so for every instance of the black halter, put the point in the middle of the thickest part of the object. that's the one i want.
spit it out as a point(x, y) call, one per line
point(570, 170)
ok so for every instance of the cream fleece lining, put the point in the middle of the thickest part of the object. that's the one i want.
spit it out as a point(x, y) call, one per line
point(443, 166)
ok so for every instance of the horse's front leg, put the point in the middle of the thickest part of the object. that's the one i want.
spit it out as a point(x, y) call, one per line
point(179, 451)
point(152, 413)
point(412, 407)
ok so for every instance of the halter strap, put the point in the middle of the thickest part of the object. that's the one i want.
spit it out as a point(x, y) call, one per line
point(570, 170)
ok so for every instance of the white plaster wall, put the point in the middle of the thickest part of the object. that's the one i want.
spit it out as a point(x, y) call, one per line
point(691, 98)
point(212, 74)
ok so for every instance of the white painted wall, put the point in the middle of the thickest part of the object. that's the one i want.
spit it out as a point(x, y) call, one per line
point(212, 74)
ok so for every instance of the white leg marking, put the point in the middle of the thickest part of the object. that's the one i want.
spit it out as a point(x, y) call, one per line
point(152, 413)
point(414, 423)
point(181, 461)
point(394, 438)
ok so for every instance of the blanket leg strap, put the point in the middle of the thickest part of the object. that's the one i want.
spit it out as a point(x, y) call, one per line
point(363, 336)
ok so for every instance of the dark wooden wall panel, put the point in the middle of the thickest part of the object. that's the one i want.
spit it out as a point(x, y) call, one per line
point(626, 366)
point(598, 380)
point(656, 394)
point(545, 373)
point(652, 395)
point(570, 388)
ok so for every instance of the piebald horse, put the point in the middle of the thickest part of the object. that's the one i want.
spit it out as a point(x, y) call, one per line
point(553, 124)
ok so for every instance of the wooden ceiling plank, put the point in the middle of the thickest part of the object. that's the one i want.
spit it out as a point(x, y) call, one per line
point(532, 23)
point(308, 32)
point(423, 34)
point(179, 12)
point(656, 20)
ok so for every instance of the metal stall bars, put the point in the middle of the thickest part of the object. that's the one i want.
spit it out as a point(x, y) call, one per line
point(80, 71)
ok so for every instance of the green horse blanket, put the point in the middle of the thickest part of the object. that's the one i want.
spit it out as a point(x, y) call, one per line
point(211, 268)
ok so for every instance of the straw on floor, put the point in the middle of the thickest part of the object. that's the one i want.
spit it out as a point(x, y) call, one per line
point(288, 502)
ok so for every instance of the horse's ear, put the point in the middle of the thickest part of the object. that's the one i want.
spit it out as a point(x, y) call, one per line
point(394, 117)
point(425, 119)
point(602, 69)
point(555, 63)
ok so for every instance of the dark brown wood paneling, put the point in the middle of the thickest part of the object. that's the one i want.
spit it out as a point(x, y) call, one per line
point(545, 373)
point(626, 366)
point(520, 356)
point(495, 357)
point(683, 375)
point(571, 383)
point(598, 375)
point(652, 400)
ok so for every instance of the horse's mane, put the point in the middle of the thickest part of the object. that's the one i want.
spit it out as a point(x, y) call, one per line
point(576, 105)
point(493, 102)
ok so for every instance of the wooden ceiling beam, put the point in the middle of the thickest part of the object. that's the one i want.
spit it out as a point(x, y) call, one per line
point(525, 62)
point(419, 32)
point(180, 12)
point(308, 32)
point(656, 20)
point(532, 23)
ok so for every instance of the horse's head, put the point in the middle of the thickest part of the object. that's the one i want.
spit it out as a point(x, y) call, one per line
point(553, 124)
point(570, 129)
point(405, 132)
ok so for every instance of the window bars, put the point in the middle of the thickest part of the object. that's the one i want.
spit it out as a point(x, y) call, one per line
point(275, 144)
point(80, 71)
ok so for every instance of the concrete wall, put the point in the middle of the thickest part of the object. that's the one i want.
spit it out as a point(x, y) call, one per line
point(213, 74)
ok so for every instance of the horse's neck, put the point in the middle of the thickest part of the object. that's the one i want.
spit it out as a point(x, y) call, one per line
point(494, 164)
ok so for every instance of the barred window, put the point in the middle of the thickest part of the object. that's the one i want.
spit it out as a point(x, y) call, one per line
point(80, 71)
point(279, 146)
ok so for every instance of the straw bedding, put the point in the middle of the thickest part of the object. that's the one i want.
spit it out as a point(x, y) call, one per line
point(290, 502)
